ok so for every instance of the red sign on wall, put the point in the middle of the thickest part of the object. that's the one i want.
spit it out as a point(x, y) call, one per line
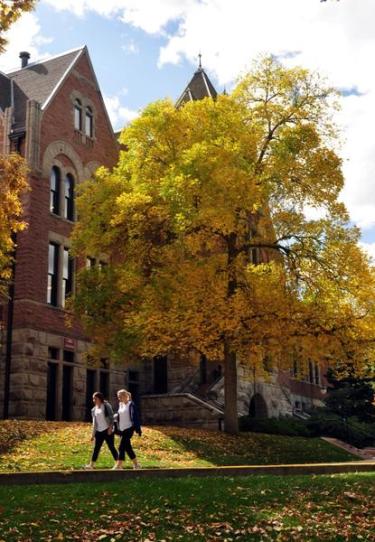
point(69, 343)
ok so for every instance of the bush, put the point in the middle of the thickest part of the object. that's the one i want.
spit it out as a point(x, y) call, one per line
point(287, 425)
point(351, 430)
point(321, 424)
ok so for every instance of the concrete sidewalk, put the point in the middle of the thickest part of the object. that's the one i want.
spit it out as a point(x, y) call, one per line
point(78, 476)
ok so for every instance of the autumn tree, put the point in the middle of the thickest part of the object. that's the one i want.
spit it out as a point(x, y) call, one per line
point(13, 183)
point(10, 11)
point(212, 243)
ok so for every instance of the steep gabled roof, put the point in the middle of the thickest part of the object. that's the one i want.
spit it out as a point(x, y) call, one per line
point(199, 87)
point(40, 80)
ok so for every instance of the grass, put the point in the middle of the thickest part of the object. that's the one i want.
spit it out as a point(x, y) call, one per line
point(39, 446)
point(292, 508)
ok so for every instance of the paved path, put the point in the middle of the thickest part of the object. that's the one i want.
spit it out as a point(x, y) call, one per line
point(364, 453)
point(74, 476)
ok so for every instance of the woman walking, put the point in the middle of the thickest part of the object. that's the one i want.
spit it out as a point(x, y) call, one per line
point(102, 428)
point(127, 423)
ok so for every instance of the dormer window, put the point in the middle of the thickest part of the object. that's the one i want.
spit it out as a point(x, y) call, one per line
point(89, 122)
point(78, 115)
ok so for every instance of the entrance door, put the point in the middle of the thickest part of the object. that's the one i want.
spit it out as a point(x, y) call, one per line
point(51, 391)
point(160, 374)
point(90, 389)
point(67, 392)
point(258, 407)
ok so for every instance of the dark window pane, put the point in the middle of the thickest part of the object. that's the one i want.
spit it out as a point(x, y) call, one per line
point(68, 355)
point(53, 353)
point(68, 270)
point(69, 197)
point(78, 115)
point(53, 259)
point(54, 190)
point(89, 125)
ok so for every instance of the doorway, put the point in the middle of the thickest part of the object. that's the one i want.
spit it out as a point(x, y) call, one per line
point(67, 392)
point(51, 406)
point(258, 407)
point(160, 374)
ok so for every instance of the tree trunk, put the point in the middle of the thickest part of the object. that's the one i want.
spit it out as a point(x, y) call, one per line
point(230, 390)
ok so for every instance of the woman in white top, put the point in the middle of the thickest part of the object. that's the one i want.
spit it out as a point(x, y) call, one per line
point(127, 423)
point(102, 428)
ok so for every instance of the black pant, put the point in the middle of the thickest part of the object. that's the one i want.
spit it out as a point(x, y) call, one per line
point(100, 437)
point(125, 444)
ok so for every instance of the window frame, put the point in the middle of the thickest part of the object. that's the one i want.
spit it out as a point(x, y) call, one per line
point(53, 275)
point(69, 189)
point(78, 109)
point(54, 201)
point(89, 118)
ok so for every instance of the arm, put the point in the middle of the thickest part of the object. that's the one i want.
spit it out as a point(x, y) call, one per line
point(134, 416)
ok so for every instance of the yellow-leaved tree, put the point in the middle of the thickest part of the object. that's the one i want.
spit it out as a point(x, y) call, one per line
point(13, 183)
point(208, 224)
point(10, 11)
point(13, 171)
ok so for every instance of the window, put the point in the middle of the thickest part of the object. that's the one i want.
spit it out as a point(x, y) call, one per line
point(53, 353)
point(67, 282)
point(78, 115)
point(69, 197)
point(68, 355)
point(54, 190)
point(90, 262)
point(53, 264)
point(89, 122)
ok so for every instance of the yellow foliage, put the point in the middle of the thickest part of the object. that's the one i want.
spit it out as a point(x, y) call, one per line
point(197, 191)
point(13, 183)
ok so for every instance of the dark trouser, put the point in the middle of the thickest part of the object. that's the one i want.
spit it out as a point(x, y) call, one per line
point(100, 437)
point(125, 444)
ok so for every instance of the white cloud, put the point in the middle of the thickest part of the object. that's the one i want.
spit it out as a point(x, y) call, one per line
point(370, 249)
point(149, 15)
point(23, 35)
point(118, 113)
point(336, 38)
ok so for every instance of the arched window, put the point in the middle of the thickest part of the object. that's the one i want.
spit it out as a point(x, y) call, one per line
point(89, 122)
point(78, 115)
point(54, 198)
point(69, 197)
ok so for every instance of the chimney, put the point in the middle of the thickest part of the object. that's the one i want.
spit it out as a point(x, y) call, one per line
point(24, 56)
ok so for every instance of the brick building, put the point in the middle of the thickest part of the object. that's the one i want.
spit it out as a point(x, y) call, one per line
point(53, 113)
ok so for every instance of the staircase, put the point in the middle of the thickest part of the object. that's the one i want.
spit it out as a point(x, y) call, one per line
point(182, 409)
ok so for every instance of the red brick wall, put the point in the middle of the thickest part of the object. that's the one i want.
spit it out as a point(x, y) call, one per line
point(31, 309)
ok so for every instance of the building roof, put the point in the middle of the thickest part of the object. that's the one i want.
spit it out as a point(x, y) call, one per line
point(40, 80)
point(199, 87)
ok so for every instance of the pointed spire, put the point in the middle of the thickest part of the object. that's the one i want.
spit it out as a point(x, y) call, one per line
point(199, 87)
point(200, 61)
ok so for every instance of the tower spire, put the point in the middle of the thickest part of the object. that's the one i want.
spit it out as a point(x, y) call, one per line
point(200, 61)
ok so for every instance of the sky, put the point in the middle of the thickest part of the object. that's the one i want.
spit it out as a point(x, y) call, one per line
point(143, 50)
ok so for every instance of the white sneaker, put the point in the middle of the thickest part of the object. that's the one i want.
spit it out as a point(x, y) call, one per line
point(137, 467)
point(88, 467)
point(117, 467)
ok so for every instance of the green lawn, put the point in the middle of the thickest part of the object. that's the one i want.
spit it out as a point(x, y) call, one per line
point(291, 508)
point(38, 446)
